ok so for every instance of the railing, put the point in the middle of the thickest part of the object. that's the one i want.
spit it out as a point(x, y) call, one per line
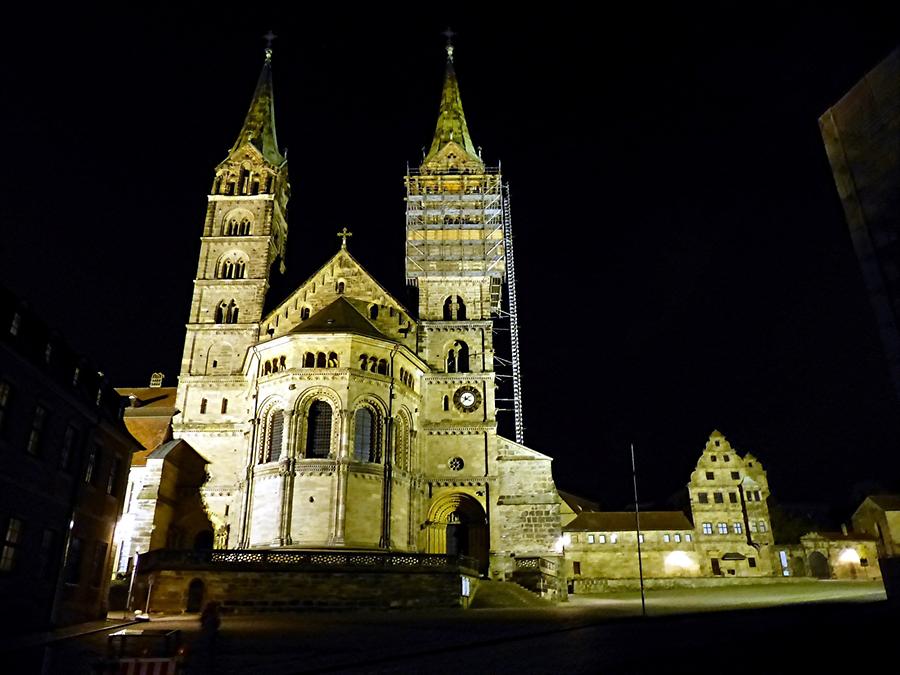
point(272, 560)
point(537, 564)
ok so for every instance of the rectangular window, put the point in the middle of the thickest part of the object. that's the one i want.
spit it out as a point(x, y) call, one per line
point(749, 496)
point(590, 539)
point(73, 561)
point(707, 528)
point(12, 542)
point(688, 537)
point(713, 458)
point(613, 538)
point(723, 528)
point(47, 555)
point(202, 406)
point(753, 526)
point(738, 528)
point(710, 475)
point(718, 498)
point(863, 562)
point(38, 422)
point(641, 538)
point(666, 538)
point(224, 405)
point(732, 497)
point(67, 451)
point(576, 566)
point(90, 469)
point(727, 458)
point(752, 562)
point(602, 538)
point(762, 526)
point(703, 498)
point(99, 563)
point(112, 480)
point(756, 494)
point(735, 475)
point(677, 538)
point(5, 396)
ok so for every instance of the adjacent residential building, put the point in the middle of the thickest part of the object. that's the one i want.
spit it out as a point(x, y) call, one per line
point(64, 457)
point(879, 517)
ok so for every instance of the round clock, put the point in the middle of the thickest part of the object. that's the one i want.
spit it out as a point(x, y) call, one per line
point(467, 398)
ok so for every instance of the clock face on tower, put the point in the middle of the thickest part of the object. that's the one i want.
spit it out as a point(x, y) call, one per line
point(467, 398)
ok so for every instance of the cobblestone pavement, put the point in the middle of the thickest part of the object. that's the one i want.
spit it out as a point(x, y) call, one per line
point(591, 634)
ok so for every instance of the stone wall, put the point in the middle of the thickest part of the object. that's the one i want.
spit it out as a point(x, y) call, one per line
point(290, 591)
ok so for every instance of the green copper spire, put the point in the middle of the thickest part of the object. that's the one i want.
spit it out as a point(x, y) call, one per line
point(259, 125)
point(451, 125)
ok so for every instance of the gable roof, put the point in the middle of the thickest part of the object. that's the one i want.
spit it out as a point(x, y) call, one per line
point(624, 521)
point(339, 317)
point(576, 503)
point(886, 502)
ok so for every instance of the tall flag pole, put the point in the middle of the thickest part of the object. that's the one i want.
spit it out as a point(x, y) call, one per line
point(637, 516)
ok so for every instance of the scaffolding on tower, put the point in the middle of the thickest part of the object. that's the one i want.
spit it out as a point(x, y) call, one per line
point(513, 317)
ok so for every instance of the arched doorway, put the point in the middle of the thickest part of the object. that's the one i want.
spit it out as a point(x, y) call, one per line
point(457, 525)
point(195, 596)
point(818, 566)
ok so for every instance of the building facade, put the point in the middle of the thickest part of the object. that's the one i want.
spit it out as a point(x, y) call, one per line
point(64, 457)
point(342, 419)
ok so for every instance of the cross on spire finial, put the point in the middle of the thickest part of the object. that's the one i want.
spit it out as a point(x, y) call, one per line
point(449, 34)
point(343, 234)
point(269, 37)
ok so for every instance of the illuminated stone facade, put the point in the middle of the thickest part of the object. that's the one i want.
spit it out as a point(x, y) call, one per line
point(341, 418)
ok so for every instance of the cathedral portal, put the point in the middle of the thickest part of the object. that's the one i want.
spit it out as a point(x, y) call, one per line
point(457, 525)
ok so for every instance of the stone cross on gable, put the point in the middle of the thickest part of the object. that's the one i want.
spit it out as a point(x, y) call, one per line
point(343, 234)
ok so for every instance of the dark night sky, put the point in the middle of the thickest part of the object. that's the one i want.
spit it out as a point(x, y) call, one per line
point(683, 259)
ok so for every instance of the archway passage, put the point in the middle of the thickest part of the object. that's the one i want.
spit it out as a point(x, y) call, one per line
point(818, 566)
point(195, 596)
point(457, 525)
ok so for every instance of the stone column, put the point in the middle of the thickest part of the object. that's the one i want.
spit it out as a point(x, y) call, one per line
point(342, 467)
point(287, 480)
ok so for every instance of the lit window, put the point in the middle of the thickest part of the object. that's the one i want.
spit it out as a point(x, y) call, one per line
point(602, 538)
point(719, 499)
point(703, 498)
point(677, 538)
point(688, 537)
point(723, 528)
point(738, 528)
point(762, 526)
point(641, 538)
point(12, 540)
point(590, 539)
point(613, 538)
point(707, 528)
point(89, 470)
point(666, 538)
point(753, 526)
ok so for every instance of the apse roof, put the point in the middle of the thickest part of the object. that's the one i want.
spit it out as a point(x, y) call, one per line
point(339, 317)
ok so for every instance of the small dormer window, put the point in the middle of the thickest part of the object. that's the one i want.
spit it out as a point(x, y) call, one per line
point(713, 458)
point(717, 444)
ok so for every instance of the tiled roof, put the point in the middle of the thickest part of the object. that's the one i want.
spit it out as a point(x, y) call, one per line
point(624, 521)
point(339, 317)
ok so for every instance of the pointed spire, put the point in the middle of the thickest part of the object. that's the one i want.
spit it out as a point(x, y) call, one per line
point(259, 125)
point(451, 124)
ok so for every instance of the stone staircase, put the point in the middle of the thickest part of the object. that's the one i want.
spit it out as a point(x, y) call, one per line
point(505, 594)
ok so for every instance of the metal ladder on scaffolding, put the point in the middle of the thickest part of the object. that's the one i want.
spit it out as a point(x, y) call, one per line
point(513, 317)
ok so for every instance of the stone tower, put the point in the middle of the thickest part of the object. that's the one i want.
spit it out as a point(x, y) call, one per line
point(244, 234)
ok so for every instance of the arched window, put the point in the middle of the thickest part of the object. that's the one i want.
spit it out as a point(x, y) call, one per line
point(231, 313)
point(332, 360)
point(401, 442)
point(274, 437)
point(224, 405)
point(321, 362)
point(446, 403)
point(227, 271)
point(382, 367)
point(373, 312)
point(365, 446)
point(373, 364)
point(309, 360)
point(339, 287)
point(458, 358)
point(304, 314)
point(318, 430)
point(282, 363)
point(202, 406)
point(221, 312)
point(363, 361)
point(267, 368)
point(454, 308)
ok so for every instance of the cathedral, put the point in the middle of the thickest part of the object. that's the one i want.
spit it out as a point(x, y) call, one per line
point(343, 419)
